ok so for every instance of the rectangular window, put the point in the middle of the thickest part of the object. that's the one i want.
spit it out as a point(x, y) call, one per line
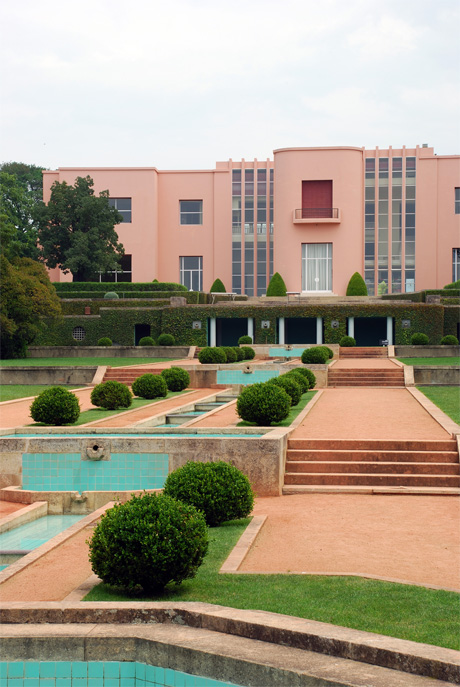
point(123, 205)
point(457, 201)
point(123, 273)
point(191, 272)
point(455, 264)
point(316, 266)
point(317, 198)
point(191, 211)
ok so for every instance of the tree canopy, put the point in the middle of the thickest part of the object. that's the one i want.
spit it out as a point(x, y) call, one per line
point(18, 225)
point(27, 295)
point(76, 230)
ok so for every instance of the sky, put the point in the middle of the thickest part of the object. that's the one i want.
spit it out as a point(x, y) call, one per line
point(181, 84)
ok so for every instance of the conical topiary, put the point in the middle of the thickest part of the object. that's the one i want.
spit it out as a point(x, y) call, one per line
point(356, 286)
point(218, 287)
point(276, 287)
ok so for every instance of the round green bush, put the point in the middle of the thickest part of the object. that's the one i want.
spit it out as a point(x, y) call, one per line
point(166, 340)
point(347, 342)
point(299, 379)
point(329, 351)
point(150, 386)
point(449, 340)
point(244, 340)
point(111, 295)
point(230, 353)
point(55, 406)
point(219, 490)
point(308, 374)
point(148, 542)
point(217, 287)
point(356, 286)
point(146, 341)
point(111, 395)
point(105, 341)
point(290, 386)
point(176, 378)
point(314, 356)
point(263, 404)
point(249, 353)
point(419, 339)
point(276, 286)
point(212, 355)
point(239, 353)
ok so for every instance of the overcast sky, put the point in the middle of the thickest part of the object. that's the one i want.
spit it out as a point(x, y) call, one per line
point(179, 84)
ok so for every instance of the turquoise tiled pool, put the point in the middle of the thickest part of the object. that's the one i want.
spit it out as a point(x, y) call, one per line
point(98, 674)
point(34, 534)
point(240, 377)
point(68, 472)
point(284, 353)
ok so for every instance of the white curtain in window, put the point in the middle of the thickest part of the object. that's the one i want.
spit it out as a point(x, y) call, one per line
point(316, 266)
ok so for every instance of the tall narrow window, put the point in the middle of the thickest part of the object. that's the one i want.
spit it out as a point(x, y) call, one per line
point(457, 201)
point(191, 272)
point(316, 266)
point(317, 198)
point(191, 211)
point(123, 205)
point(455, 264)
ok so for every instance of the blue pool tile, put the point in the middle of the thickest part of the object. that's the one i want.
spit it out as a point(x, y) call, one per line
point(127, 669)
point(94, 682)
point(32, 669)
point(63, 669)
point(47, 669)
point(79, 669)
point(3, 669)
point(31, 682)
point(64, 682)
point(111, 669)
point(179, 679)
point(47, 682)
point(110, 682)
point(16, 669)
point(128, 682)
point(95, 669)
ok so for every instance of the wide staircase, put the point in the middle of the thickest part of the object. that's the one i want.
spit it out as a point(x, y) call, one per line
point(127, 375)
point(366, 377)
point(336, 463)
point(363, 352)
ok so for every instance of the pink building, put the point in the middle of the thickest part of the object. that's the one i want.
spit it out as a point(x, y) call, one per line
point(315, 215)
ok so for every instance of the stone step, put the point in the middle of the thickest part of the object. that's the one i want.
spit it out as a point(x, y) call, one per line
point(294, 455)
point(374, 480)
point(365, 467)
point(366, 373)
point(375, 444)
point(368, 382)
point(368, 489)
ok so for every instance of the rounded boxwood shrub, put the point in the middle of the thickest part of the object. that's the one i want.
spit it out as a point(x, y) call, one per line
point(212, 355)
point(111, 395)
point(146, 341)
point(230, 353)
point(263, 404)
point(55, 406)
point(276, 286)
point(249, 353)
point(150, 386)
point(148, 542)
point(219, 490)
point(239, 353)
point(419, 339)
point(166, 340)
point(356, 286)
point(290, 386)
point(176, 378)
point(308, 374)
point(217, 287)
point(245, 340)
point(299, 379)
point(449, 340)
point(105, 341)
point(329, 351)
point(314, 356)
point(111, 295)
point(347, 342)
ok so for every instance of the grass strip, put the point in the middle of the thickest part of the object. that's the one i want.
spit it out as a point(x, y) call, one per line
point(9, 392)
point(397, 610)
point(430, 361)
point(295, 410)
point(445, 397)
point(74, 362)
point(101, 413)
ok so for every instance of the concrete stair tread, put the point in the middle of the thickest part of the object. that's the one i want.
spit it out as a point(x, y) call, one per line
point(368, 489)
point(411, 444)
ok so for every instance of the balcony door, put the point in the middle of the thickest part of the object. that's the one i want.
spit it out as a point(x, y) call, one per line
point(317, 267)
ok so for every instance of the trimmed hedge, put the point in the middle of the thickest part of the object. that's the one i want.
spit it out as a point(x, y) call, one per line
point(240, 354)
point(419, 339)
point(111, 395)
point(249, 353)
point(290, 386)
point(263, 404)
point(166, 340)
point(347, 342)
point(176, 378)
point(148, 542)
point(276, 286)
point(310, 376)
point(449, 340)
point(244, 340)
point(356, 286)
point(55, 406)
point(105, 341)
point(217, 287)
point(103, 287)
point(230, 353)
point(146, 341)
point(314, 356)
point(212, 355)
point(150, 386)
point(219, 490)
point(300, 379)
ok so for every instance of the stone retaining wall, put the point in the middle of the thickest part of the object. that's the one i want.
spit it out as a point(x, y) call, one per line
point(104, 351)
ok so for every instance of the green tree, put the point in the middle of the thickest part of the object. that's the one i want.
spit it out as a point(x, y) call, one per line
point(276, 287)
point(356, 286)
point(18, 226)
point(217, 287)
point(30, 177)
point(76, 230)
point(27, 295)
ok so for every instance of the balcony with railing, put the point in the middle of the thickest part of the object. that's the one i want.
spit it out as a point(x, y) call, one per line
point(316, 216)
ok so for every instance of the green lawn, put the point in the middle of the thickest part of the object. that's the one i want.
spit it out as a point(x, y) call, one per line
point(398, 610)
point(445, 397)
point(295, 410)
point(73, 362)
point(8, 392)
point(430, 361)
point(101, 413)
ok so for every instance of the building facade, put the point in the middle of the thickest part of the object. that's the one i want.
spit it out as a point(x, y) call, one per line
point(315, 215)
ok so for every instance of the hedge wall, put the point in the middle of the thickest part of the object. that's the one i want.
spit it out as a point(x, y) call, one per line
point(429, 319)
point(118, 287)
point(77, 306)
point(451, 320)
